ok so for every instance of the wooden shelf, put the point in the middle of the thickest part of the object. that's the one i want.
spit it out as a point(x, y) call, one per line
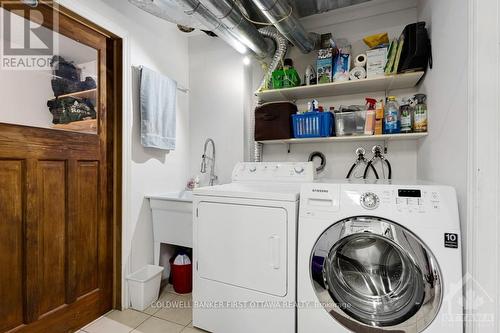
point(384, 83)
point(84, 126)
point(384, 137)
point(90, 94)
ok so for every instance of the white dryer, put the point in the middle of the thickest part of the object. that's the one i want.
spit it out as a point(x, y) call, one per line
point(379, 258)
point(244, 249)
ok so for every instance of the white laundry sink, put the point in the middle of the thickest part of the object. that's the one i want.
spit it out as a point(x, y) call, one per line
point(172, 219)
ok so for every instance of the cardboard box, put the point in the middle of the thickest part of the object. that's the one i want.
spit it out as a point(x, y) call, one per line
point(376, 60)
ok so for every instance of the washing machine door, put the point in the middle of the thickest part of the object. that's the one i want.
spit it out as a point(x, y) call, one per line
point(371, 273)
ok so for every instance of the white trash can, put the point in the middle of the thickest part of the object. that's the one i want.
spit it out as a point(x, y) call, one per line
point(144, 286)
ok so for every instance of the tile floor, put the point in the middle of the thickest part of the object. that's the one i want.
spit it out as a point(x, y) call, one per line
point(171, 314)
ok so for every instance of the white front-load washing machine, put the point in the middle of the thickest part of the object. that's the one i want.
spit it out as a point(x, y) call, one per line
point(379, 258)
point(244, 249)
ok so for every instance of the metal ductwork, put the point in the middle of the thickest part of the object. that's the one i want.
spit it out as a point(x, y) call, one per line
point(226, 21)
point(281, 15)
point(238, 33)
point(230, 15)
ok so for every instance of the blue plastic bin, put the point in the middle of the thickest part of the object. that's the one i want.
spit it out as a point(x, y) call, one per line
point(312, 124)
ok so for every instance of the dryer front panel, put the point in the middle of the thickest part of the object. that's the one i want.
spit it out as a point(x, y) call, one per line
point(371, 272)
point(243, 246)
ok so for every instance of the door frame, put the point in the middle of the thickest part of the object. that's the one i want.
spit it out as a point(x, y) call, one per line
point(483, 164)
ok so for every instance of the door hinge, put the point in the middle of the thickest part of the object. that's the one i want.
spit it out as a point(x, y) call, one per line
point(196, 212)
point(196, 264)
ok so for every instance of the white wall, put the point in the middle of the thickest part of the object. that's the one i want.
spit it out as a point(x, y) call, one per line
point(157, 44)
point(442, 156)
point(352, 23)
point(216, 100)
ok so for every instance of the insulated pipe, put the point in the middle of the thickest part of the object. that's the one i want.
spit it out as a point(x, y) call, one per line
point(280, 14)
point(212, 23)
point(281, 48)
point(230, 25)
point(170, 11)
point(229, 14)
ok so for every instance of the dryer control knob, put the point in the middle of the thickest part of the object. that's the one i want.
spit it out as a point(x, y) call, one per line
point(369, 200)
point(252, 169)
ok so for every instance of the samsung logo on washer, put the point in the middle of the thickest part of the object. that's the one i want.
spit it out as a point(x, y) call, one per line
point(319, 191)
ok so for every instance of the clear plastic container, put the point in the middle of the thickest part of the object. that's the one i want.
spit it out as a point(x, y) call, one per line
point(350, 123)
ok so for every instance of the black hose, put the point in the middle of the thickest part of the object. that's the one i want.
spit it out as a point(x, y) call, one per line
point(389, 168)
point(368, 166)
point(351, 170)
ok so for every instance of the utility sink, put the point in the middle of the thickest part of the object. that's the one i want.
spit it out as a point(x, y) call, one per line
point(172, 220)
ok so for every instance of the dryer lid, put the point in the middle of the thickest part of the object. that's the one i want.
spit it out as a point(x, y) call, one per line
point(260, 191)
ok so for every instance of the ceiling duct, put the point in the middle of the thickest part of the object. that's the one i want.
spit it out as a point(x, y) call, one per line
point(230, 15)
point(168, 10)
point(244, 38)
point(226, 21)
point(281, 15)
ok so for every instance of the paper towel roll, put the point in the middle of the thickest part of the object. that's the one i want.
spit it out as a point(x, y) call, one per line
point(358, 73)
point(360, 60)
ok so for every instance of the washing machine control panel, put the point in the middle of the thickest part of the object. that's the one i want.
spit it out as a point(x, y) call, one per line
point(406, 200)
point(275, 172)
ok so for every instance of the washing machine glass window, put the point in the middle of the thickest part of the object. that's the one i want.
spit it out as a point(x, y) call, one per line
point(372, 272)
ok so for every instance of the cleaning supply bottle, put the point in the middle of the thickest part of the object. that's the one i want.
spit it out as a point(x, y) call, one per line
point(406, 116)
point(379, 118)
point(371, 105)
point(392, 123)
point(420, 123)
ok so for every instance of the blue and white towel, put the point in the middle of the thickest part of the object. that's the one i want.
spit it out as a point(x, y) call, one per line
point(158, 95)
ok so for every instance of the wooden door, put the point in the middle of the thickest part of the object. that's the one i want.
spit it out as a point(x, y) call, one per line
point(58, 203)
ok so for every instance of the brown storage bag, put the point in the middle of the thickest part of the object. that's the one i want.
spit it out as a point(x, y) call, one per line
point(273, 121)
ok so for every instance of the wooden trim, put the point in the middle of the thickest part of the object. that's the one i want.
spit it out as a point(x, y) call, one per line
point(117, 60)
point(483, 178)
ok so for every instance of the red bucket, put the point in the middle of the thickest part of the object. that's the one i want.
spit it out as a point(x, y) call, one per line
point(182, 278)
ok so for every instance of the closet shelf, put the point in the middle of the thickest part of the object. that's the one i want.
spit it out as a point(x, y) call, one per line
point(384, 137)
point(384, 83)
point(90, 94)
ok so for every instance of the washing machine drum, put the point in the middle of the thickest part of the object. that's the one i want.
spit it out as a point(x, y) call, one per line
point(373, 273)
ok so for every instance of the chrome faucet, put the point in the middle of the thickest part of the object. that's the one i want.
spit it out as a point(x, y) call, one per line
point(205, 158)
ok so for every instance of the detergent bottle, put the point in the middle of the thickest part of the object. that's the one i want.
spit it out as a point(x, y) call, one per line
point(371, 105)
point(392, 124)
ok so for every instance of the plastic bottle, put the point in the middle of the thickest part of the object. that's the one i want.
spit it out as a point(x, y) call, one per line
point(406, 116)
point(392, 124)
point(379, 117)
point(371, 105)
point(420, 123)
